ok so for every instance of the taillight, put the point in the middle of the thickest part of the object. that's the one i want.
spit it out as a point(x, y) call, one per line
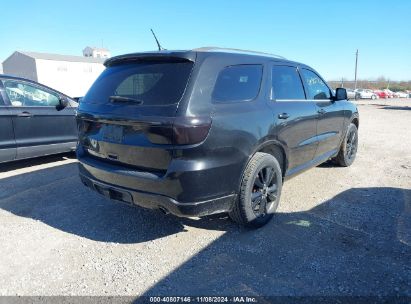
point(180, 131)
point(190, 130)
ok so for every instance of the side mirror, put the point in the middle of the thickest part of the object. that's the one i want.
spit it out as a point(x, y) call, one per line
point(340, 94)
point(77, 99)
point(63, 103)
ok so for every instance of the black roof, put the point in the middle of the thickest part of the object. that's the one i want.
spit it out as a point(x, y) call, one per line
point(190, 55)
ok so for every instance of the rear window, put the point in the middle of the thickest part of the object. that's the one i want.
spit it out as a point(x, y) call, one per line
point(238, 83)
point(152, 83)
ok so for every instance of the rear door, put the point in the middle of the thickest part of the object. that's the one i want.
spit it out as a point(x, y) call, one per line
point(39, 128)
point(330, 114)
point(7, 141)
point(296, 120)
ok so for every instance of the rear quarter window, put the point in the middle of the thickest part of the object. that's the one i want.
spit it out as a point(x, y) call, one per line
point(238, 83)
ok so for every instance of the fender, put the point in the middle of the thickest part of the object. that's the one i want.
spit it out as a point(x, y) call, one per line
point(267, 142)
point(354, 115)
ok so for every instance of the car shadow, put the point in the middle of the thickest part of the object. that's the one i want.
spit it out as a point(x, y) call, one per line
point(56, 197)
point(328, 164)
point(396, 108)
point(358, 243)
point(30, 162)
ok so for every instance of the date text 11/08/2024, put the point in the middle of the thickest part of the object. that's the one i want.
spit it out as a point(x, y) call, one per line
point(205, 299)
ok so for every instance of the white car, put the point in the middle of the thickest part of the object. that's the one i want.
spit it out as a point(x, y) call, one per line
point(362, 93)
point(351, 94)
point(401, 95)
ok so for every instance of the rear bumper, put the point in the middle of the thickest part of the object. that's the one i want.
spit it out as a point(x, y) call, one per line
point(156, 201)
point(183, 192)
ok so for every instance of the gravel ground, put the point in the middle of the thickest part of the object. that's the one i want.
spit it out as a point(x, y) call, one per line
point(339, 231)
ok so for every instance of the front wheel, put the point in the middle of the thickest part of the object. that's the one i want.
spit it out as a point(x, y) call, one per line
point(373, 97)
point(348, 150)
point(259, 192)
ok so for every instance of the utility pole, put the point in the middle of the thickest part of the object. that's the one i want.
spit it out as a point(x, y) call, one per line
point(342, 82)
point(356, 63)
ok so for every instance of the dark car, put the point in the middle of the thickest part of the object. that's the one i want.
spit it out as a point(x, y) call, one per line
point(209, 131)
point(35, 120)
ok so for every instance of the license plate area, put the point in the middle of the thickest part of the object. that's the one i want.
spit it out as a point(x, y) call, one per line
point(112, 133)
point(114, 194)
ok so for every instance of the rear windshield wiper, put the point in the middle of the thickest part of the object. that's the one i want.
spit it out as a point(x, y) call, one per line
point(124, 99)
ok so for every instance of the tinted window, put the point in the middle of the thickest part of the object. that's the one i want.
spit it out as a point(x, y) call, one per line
point(238, 82)
point(22, 94)
point(316, 88)
point(286, 83)
point(153, 83)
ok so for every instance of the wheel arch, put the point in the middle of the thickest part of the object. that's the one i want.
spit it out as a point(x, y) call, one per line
point(355, 120)
point(276, 149)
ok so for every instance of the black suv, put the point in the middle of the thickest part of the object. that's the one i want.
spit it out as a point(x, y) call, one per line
point(209, 130)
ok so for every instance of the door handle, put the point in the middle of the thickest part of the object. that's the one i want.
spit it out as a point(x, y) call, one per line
point(321, 111)
point(283, 116)
point(25, 114)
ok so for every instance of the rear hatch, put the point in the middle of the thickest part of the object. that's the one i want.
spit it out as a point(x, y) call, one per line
point(128, 115)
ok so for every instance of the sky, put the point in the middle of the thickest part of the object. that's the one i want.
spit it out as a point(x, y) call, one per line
point(320, 33)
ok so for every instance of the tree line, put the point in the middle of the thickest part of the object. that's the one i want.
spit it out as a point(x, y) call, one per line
point(379, 84)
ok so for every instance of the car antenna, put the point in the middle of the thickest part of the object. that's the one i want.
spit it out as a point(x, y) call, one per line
point(160, 48)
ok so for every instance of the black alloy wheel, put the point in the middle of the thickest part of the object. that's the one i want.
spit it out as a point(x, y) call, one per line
point(349, 147)
point(264, 193)
point(260, 191)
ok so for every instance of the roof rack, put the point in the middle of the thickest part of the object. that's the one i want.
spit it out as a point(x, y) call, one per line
point(238, 51)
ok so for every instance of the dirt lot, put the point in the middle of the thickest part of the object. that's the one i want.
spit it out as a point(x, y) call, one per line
point(339, 231)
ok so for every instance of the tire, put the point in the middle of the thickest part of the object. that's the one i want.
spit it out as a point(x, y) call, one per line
point(259, 194)
point(349, 147)
point(373, 97)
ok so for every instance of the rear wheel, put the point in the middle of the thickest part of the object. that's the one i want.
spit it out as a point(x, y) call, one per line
point(259, 193)
point(373, 97)
point(348, 150)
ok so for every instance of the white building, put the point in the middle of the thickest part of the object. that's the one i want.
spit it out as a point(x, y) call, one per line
point(96, 52)
point(71, 75)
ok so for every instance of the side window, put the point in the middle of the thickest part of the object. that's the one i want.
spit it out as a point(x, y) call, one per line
point(316, 88)
point(238, 83)
point(21, 94)
point(286, 84)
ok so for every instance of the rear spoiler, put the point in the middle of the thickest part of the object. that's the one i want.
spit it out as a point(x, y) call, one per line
point(173, 56)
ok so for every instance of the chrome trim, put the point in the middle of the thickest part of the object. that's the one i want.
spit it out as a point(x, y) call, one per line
point(315, 100)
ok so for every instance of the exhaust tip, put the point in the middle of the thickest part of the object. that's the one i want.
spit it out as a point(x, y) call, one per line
point(164, 210)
